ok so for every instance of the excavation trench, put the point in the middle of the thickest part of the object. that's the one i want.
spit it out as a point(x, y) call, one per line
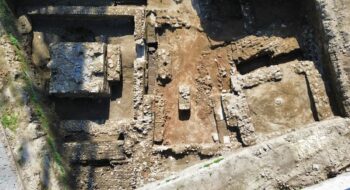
point(266, 60)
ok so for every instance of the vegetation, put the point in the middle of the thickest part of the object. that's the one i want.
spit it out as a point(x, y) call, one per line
point(10, 121)
point(213, 162)
point(40, 110)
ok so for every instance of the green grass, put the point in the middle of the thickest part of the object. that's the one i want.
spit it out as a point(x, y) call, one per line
point(214, 162)
point(9, 121)
point(39, 109)
point(218, 160)
point(14, 40)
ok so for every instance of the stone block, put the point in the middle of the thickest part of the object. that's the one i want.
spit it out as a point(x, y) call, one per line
point(114, 63)
point(78, 70)
point(184, 97)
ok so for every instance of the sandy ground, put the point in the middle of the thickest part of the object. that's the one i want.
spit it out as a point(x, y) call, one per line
point(341, 182)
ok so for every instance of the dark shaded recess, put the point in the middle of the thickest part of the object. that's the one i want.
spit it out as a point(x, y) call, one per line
point(235, 130)
point(82, 108)
point(116, 90)
point(265, 61)
point(222, 20)
point(184, 115)
point(78, 2)
point(82, 28)
point(277, 12)
point(170, 153)
point(328, 71)
point(312, 100)
point(165, 27)
point(96, 163)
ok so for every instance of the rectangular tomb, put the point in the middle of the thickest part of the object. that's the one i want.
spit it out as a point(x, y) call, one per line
point(78, 70)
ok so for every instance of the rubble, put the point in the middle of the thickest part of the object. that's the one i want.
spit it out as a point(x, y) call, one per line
point(263, 75)
point(139, 76)
point(237, 115)
point(78, 70)
point(172, 21)
point(159, 119)
point(164, 65)
point(252, 47)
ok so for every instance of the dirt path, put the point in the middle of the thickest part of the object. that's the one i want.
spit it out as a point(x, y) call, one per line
point(8, 174)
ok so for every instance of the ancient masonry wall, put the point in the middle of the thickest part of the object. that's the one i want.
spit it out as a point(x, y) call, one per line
point(336, 43)
point(139, 33)
point(137, 12)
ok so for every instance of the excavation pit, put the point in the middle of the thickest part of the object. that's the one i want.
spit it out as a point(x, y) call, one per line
point(255, 70)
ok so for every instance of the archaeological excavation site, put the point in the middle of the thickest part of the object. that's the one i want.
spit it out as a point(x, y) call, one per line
point(174, 94)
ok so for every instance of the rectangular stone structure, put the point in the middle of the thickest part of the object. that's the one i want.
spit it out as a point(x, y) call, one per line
point(114, 63)
point(78, 70)
point(184, 98)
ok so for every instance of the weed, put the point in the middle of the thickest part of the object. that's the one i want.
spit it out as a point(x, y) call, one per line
point(214, 162)
point(218, 160)
point(14, 41)
point(10, 121)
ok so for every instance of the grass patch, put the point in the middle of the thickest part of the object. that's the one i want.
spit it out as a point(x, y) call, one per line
point(218, 160)
point(9, 121)
point(40, 111)
point(213, 162)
